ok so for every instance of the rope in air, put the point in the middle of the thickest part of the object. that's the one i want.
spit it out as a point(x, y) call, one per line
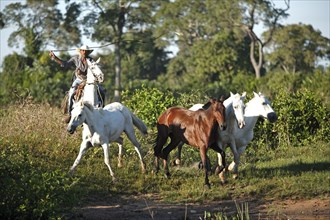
point(111, 43)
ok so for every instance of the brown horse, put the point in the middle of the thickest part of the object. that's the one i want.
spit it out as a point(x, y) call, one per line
point(195, 128)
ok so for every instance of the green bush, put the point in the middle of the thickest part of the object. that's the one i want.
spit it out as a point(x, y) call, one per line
point(148, 103)
point(302, 118)
point(27, 191)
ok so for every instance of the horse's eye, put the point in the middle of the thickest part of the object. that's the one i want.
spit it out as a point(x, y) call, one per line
point(79, 116)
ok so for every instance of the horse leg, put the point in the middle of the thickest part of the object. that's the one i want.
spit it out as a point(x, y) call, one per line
point(177, 161)
point(131, 136)
point(222, 166)
point(234, 165)
point(83, 148)
point(202, 151)
point(166, 151)
point(105, 147)
point(161, 139)
point(120, 151)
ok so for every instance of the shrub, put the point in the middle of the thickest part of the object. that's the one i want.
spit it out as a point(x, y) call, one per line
point(27, 191)
point(302, 118)
point(148, 103)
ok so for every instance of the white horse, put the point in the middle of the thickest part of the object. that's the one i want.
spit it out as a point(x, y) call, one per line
point(94, 76)
point(234, 115)
point(238, 137)
point(103, 126)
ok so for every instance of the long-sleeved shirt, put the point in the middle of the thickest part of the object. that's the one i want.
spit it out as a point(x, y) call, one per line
point(81, 68)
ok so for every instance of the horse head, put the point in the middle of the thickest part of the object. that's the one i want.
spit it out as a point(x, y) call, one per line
point(219, 112)
point(78, 116)
point(261, 106)
point(94, 73)
point(238, 108)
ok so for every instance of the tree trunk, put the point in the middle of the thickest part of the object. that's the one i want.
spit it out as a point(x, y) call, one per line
point(256, 66)
point(117, 95)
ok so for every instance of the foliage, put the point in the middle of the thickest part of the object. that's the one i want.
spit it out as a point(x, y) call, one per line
point(36, 152)
point(35, 24)
point(148, 103)
point(302, 119)
point(318, 83)
point(40, 81)
point(297, 47)
point(29, 191)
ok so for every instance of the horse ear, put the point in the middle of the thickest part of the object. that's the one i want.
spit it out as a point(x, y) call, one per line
point(231, 94)
point(243, 95)
point(222, 98)
point(98, 60)
point(255, 94)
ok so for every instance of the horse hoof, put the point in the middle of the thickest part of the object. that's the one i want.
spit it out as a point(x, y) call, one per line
point(235, 176)
point(200, 165)
point(207, 186)
point(222, 177)
point(167, 175)
point(177, 162)
point(217, 170)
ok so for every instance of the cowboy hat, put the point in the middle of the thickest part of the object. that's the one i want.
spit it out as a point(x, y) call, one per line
point(85, 47)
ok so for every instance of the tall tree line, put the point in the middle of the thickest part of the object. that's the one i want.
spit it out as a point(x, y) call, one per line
point(216, 43)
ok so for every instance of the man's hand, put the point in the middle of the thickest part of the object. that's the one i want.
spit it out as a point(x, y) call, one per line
point(52, 55)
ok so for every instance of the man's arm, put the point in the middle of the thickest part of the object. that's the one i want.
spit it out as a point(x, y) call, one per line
point(55, 58)
point(64, 64)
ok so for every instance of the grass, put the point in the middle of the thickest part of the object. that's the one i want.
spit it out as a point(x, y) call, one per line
point(34, 141)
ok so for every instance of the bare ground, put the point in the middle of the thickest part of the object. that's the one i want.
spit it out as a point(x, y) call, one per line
point(151, 207)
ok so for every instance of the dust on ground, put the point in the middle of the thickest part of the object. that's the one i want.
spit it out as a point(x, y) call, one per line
point(150, 206)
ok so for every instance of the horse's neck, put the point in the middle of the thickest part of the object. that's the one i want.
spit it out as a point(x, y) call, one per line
point(92, 118)
point(90, 94)
point(230, 117)
point(228, 102)
point(250, 117)
point(90, 77)
point(229, 110)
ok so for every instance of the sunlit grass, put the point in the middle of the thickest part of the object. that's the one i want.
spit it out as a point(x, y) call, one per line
point(36, 132)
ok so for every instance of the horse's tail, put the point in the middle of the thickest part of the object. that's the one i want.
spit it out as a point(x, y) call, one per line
point(139, 124)
point(64, 103)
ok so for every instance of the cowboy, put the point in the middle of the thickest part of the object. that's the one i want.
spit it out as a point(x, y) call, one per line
point(81, 66)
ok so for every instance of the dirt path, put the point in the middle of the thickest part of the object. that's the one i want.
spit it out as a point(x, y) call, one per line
point(150, 207)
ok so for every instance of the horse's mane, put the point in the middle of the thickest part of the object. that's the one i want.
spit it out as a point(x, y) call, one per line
point(89, 106)
point(206, 105)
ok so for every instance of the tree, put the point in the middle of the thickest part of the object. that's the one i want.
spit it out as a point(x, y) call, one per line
point(254, 12)
point(37, 23)
point(297, 48)
point(116, 22)
point(211, 51)
point(40, 23)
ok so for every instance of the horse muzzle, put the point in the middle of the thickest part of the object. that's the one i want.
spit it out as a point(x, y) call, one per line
point(272, 117)
point(241, 124)
point(71, 129)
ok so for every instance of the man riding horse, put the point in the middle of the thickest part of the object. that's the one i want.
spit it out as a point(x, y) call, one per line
point(80, 63)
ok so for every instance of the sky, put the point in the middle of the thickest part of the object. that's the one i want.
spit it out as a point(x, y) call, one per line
point(313, 12)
